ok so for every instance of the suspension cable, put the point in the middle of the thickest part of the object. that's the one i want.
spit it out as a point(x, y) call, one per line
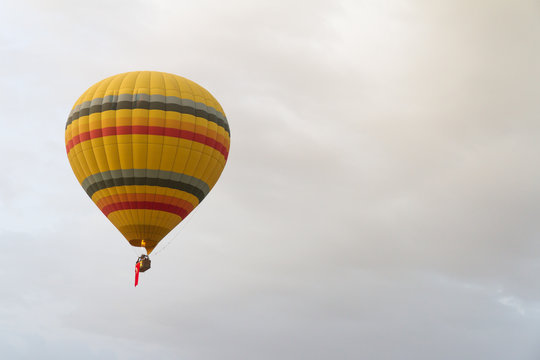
point(181, 226)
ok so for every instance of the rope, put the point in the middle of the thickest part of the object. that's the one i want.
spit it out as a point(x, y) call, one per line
point(181, 227)
point(133, 249)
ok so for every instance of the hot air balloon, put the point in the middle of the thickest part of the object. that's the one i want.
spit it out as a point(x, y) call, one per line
point(147, 147)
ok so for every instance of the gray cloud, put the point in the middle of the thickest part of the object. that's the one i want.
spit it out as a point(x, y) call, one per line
point(380, 199)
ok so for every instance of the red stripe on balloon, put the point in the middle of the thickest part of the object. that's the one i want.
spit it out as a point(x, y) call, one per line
point(145, 205)
point(148, 130)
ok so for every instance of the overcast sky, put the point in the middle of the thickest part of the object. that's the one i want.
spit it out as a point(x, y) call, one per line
point(381, 199)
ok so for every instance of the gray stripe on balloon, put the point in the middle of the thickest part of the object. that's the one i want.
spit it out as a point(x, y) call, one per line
point(149, 102)
point(162, 178)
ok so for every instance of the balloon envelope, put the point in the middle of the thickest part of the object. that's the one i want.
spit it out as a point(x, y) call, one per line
point(147, 147)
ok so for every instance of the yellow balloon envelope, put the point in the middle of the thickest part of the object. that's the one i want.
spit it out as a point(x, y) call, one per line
point(147, 147)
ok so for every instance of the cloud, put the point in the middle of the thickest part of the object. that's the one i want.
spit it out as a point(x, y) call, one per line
point(379, 201)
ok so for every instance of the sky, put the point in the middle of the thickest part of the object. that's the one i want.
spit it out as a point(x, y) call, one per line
point(380, 200)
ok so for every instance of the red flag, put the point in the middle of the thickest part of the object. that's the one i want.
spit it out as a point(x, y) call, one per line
point(137, 267)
